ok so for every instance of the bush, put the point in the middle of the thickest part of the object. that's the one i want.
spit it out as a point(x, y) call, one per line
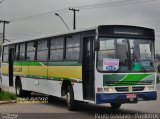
point(157, 80)
point(158, 68)
point(5, 96)
point(158, 77)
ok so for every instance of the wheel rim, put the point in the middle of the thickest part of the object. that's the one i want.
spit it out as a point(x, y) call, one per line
point(68, 98)
point(18, 90)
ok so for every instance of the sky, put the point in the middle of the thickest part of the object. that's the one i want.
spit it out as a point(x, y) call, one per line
point(36, 18)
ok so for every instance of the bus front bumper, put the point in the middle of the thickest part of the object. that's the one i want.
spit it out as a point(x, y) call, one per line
point(122, 98)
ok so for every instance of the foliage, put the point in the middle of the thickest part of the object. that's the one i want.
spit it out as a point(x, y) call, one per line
point(5, 96)
point(158, 79)
point(158, 68)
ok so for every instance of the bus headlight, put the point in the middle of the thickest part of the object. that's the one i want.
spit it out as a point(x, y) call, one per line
point(109, 89)
point(149, 88)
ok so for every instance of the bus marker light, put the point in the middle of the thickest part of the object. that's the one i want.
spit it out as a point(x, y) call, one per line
point(99, 89)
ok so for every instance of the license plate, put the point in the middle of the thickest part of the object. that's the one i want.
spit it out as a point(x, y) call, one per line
point(131, 96)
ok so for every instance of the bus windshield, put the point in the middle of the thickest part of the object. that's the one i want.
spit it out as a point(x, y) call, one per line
point(124, 55)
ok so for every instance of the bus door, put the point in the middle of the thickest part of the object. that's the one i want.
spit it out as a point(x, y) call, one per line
point(88, 68)
point(10, 67)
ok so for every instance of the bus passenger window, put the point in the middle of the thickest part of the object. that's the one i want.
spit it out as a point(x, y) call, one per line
point(56, 49)
point(22, 51)
point(17, 52)
point(5, 54)
point(42, 50)
point(30, 51)
point(73, 47)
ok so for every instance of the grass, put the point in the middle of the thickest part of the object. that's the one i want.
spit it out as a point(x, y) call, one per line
point(6, 96)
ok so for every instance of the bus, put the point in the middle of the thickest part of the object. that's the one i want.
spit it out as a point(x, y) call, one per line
point(112, 64)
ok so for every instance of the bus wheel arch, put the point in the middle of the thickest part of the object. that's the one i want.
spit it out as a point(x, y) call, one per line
point(18, 88)
point(70, 98)
point(64, 87)
point(67, 90)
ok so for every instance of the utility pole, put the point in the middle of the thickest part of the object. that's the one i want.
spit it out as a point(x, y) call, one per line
point(4, 25)
point(74, 17)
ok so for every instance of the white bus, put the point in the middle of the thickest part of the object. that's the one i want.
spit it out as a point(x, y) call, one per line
point(107, 64)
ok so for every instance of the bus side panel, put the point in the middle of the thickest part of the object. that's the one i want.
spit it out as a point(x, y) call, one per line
point(78, 91)
point(17, 69)
point(44, 86)
point(37, 70)
point(5, 84)
point(5, 69)
point(5, 81)
point(21, 69)
point(70, 71)
point(50, 87)
point(24, 84)
point(65, 73)
point(5, 76)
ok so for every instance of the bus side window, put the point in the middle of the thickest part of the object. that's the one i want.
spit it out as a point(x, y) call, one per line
point(22, 51)
point(42, 50)
point(5, 54)
point(57, 49)
point(73, 47)
point(30, 51)
point(17, 52)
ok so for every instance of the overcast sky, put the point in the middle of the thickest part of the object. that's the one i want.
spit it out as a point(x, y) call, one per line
point(43, 22)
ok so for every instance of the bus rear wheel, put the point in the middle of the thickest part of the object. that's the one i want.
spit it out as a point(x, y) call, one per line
point(70, 98)
point(115, 105)
point(19, 91)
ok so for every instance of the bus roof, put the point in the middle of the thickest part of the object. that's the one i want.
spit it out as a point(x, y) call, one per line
point(53, 35)
point(71, 32)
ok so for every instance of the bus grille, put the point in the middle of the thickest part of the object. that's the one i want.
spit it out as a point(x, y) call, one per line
point(126, 89)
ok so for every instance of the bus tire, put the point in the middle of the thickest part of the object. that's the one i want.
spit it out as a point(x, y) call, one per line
point(115, 105)
point(70, 98)
point(19, 91)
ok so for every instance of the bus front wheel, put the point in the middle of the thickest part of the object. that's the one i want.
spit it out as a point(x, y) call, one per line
point(115, 105)
point(70, 98)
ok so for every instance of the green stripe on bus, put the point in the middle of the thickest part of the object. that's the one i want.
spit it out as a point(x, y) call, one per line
point(110, 79)
point(47, 64)
point(123, 80)
point(64, 64)
point(27, 64)
point(132, 79)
